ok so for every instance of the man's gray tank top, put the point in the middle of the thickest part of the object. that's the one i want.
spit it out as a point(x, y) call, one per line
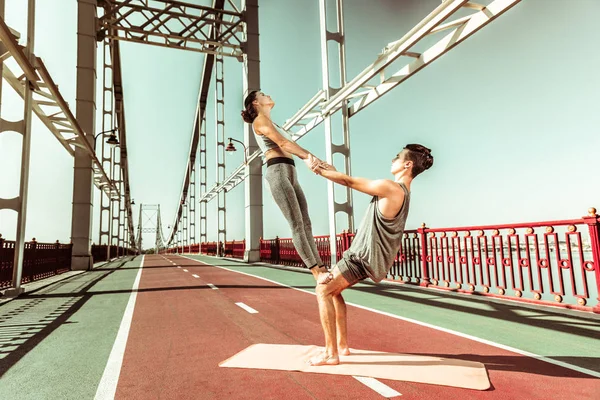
point(267, 144)
point(378, 239)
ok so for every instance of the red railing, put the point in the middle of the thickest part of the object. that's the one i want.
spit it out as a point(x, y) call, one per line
point(209, 248)
point(282, 251)
point(99, 252)
point(40, 260)
point(182, 249)
point(233, 249)
point(553, 262)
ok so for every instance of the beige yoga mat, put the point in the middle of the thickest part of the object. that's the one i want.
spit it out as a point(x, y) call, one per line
point(374, 364)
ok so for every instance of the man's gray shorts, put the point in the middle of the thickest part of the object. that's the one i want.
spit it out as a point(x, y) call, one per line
point(351, 270)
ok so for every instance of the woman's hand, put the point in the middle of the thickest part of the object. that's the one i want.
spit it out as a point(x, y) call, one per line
point(317, 166)
point(312, 162)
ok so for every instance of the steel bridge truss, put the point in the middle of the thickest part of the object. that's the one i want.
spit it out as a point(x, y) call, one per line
point(150, 222)
point(174, 24)
point(214, 31)
point(48, 104)
point(448, 25)
point(212, 61)
point(395, 64)
point(42, 97)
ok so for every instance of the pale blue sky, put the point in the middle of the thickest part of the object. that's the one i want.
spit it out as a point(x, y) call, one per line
point(510, 114)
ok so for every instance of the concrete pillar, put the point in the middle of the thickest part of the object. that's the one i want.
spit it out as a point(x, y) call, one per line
point(85, 112)
point(253, 184)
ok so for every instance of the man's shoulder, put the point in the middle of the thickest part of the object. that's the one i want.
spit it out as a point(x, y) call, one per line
point(392, 186)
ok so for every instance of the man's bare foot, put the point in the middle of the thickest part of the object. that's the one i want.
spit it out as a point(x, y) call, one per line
point(343, 351)
point(323, 359)
point(322, 275)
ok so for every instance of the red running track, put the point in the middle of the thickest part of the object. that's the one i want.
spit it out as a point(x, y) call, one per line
point(182, 329)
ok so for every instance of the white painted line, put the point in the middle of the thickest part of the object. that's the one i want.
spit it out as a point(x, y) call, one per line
point(213, 287)
point(464, 335)
point(108, 384)
point(195, 276)
point(185, 270)
point(377, 386)
point(245, 307)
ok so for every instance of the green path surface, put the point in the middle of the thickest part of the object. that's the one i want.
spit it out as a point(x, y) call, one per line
point(573, 338)
point(55, 342)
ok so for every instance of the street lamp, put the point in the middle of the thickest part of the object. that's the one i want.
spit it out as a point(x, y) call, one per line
point(231, 148)
point(112, 139)
point(113, 142)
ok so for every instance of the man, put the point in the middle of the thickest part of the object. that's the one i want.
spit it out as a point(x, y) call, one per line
point(375, 245)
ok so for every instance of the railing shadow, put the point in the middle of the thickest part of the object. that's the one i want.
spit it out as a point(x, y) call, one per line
point(23, 328)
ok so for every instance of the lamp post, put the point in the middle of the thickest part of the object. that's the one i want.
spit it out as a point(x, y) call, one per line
point(184, 230)
point(112, 139)
point(169, 245)
point(113, 142)
point(230, 147)
point(127, 233)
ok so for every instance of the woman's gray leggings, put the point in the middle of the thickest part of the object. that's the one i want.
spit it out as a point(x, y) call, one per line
point(287, 193)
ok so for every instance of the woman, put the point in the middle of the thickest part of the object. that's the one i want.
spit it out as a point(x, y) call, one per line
point(278, 148)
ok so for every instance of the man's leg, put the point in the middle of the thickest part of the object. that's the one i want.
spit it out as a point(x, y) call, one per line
point(341, 324)
point(327, 313)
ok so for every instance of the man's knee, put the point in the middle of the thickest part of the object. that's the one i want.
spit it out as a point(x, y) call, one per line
point(331, 289)
point(321, 290)
point(324, 290)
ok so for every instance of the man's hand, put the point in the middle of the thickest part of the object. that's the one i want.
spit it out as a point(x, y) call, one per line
point(323, 166)
point(327, 167)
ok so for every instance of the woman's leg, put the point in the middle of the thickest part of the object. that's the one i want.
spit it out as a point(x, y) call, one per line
point(323, 276)
point(306, 218)
point(278, 177)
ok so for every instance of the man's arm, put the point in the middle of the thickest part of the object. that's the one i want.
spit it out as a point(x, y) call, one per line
point(264, 127)
point(378, 187)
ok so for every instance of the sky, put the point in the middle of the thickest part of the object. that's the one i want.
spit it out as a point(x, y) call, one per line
point(510, 115)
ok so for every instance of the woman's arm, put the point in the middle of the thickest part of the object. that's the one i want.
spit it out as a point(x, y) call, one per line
point(263, 126)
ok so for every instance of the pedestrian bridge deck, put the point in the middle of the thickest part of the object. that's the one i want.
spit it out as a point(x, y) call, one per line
point(157, 327)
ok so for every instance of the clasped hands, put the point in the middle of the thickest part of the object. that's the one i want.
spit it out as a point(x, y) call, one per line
point(316, 165)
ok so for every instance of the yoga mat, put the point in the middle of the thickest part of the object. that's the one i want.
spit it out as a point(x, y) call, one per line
point(368, 363)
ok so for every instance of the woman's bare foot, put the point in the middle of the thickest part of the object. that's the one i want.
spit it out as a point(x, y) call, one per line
point(323, 359)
